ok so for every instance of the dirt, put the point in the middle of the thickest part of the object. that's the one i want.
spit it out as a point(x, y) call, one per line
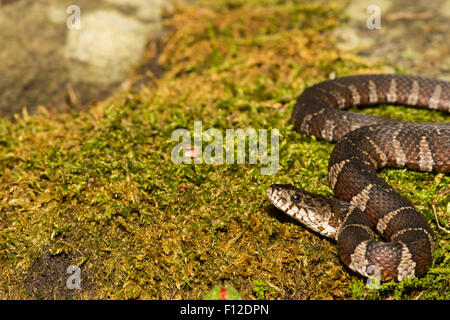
point(48, 279)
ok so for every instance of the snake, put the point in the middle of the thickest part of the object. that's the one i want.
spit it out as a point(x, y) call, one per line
point(364, 203)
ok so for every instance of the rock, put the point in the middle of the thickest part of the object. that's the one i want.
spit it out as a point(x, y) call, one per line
point(46, 61)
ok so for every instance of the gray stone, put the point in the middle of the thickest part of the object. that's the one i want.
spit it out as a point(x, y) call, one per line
point(45, 61)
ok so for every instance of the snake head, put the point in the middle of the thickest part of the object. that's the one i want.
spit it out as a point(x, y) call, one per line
point(284, 196)
point(291, 199)
point(319, 213)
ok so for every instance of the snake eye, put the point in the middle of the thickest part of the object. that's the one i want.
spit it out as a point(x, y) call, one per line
point(295, 197)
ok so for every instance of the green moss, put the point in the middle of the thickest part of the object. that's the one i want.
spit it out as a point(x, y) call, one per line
point(260, 288)
point(101, 189)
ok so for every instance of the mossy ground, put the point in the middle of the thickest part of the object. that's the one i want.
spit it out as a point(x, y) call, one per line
point(99, 189)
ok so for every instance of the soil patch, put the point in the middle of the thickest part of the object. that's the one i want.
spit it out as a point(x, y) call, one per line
point(52, 277)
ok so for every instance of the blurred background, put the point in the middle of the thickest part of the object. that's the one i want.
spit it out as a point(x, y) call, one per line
point(65, 55)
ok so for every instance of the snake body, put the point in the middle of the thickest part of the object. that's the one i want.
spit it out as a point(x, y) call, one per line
point(364, 144)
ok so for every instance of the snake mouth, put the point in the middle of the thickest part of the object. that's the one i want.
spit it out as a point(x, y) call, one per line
point(269, 192)
point(275, 193)
point(281, 196)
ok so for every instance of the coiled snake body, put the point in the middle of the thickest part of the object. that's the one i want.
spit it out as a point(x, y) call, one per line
point(365, 144)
